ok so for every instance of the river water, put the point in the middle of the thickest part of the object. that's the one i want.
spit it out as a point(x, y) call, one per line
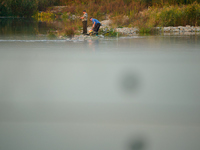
point(125, 93)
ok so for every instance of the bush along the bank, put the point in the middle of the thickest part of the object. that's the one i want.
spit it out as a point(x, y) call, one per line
point(108, 32)
point(51, 34)
point(18, 8)
point(5, 8)
point(44, 4)
point(24, 8)
point(176, 16)
point(70, 31)
point(168, 16)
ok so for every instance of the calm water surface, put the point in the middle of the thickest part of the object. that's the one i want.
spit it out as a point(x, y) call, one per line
point(127, 93)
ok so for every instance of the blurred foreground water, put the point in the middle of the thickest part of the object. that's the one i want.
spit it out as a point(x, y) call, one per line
point(128, 93)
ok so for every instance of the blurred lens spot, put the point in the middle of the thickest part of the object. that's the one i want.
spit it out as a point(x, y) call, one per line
point(130, 82)
point(137, 144)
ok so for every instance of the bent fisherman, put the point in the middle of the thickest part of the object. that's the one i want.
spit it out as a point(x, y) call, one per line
point(96, 25)
point(84, 21)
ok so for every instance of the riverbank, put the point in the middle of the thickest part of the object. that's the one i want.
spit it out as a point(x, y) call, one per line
point(131, 32)
point(182, 30)
point(179, 19)
point(108, 31)
point(127, 17)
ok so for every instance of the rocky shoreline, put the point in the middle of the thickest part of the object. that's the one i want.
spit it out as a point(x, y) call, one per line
point(134, 31)
point(186, 30)
point(181, 30)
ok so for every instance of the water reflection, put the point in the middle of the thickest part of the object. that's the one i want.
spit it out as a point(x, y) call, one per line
point(93, 44)
point(23, 27)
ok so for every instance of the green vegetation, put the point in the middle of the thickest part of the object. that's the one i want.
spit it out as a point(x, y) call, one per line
point(144, 14)
point(169, 16)
point(160, 16)
point(98, 8)
point(24, 8)
point(51, 34)
point(70, 31)
point(44, 4)
point(108, 32)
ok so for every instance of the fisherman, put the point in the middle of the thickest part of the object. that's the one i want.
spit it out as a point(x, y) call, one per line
point(84, 21)
point(96, 25)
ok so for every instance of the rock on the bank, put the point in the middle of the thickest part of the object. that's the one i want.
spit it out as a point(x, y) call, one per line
point(105, 23)
point(180, 29)
point(127, 30)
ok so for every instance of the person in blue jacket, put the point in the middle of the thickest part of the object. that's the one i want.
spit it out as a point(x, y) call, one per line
point(96, 25)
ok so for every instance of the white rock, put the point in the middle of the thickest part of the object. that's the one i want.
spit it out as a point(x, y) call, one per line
point(166, 29)
point(106, 22)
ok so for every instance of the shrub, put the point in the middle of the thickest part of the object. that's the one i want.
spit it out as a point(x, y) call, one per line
point(168, 16)
point(51, 34)
point(70, 31)
point(174, 16)
point(23, 8)
point(193, 14)
point(43, 4)
point(108, 32)
point(5, 8)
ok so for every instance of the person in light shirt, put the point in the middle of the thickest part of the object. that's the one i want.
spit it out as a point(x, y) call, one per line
point(84, 21)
